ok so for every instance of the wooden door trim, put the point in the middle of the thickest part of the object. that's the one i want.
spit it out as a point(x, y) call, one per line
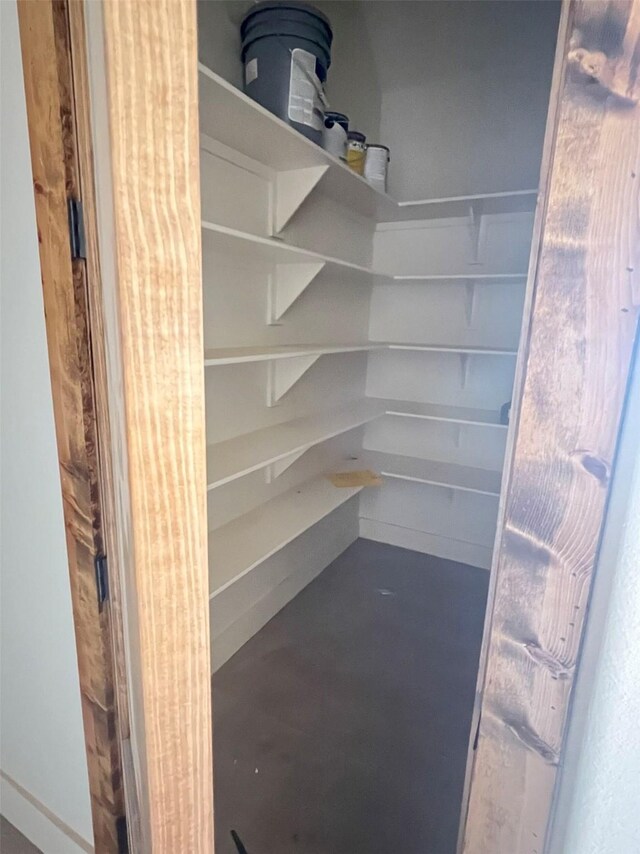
point(585, 292)
point(71, 315)
point(142, 58)
point(557, 80)
point(124, 334)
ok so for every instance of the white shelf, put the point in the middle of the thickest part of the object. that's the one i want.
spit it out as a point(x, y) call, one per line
point(451, 414)
point(510, 201)
point(239, 355)
point(244, 244)
point(242, 544)
point(228, 115)
point(435, 473)
point(489, 278)
point(241, 455)
point(443, 348)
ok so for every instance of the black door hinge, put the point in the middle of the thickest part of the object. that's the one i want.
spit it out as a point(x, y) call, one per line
point(122, 835)
point(76, 229)
point(102, 578)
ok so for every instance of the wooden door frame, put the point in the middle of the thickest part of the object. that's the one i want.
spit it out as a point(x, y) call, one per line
point(70, 288)
point(125, 343)
point(583, 295)
point(124, 334)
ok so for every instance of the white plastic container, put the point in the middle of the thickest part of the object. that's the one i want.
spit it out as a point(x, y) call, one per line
point(334, 134)
point(376, 165)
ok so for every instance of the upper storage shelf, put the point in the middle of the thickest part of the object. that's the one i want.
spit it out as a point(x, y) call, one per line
point(235, 120)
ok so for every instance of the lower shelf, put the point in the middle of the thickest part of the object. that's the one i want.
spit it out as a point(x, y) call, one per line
point(240, 545)
point(451, 414)
point(435, 473)
point(249, 452)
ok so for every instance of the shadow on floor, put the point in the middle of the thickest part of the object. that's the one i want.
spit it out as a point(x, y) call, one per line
point(13, 842)
point(342, 726)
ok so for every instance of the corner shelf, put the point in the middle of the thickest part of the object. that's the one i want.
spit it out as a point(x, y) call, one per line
point(488, 278)
point(235, 120)
point(479, 204)
point(462, 349)
point(449, 414)
point(241, 355)
point(242, 544)
point(281, 445)
point(435, 473)
point(243, 244)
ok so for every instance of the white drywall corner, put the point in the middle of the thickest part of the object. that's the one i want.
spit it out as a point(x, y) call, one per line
point(45, 789)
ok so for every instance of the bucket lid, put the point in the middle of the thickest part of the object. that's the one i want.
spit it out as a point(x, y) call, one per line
point(356, 136)
point(266, 5)
point(340, 118)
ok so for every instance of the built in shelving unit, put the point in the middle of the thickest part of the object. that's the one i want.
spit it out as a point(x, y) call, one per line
point(415, 393)
point(232, 118)
point(436, 473)
point(279, 446)
point(244, 543)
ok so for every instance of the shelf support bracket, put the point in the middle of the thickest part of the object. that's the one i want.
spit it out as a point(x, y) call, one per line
point(469, 301)
point(283, 374)
point(476, 229)
point(274, 470)
point(286, 284)
point(464, 369)
point(291, 189)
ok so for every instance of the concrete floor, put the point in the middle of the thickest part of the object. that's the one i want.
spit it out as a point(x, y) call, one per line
point(342, 726)
point(13, 842)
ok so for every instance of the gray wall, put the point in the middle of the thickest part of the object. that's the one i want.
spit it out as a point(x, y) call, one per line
point(458, 89)
point(465, 88)
point(42, 742)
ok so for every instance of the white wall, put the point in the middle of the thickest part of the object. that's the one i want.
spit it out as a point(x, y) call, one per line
point(42, 756)
point(465, 87)
point(598, 804)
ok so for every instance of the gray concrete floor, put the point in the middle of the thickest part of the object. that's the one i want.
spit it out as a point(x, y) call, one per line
point(13, 842)
point(342, 726)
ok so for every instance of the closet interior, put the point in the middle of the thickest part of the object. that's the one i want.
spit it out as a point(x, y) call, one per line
point(347, 328)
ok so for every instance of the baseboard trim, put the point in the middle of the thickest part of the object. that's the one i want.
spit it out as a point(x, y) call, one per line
point(36, 821)
point(431, 544)
point(251, 603)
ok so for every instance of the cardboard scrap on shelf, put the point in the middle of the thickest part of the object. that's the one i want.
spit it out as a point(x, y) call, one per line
point(346, 479)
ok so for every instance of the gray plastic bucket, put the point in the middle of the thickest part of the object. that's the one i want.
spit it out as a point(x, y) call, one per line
point(286, 51)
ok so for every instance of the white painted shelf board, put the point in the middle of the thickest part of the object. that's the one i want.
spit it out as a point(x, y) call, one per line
point(466, 277)
point(244, 543)
point(234, 119)
point(435, 473)
point(509, 201)
point(243, 243)
point(241, 455)
point(240, 355)
point(453, 349)
point(437, 412)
